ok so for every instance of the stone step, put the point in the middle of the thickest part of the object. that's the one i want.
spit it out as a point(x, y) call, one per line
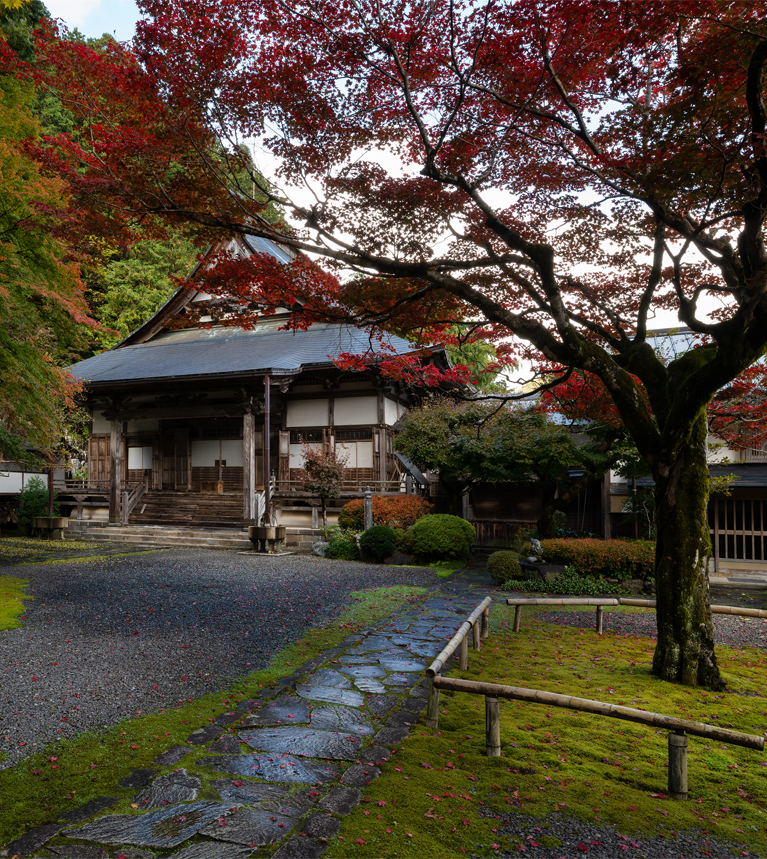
point(159, 536)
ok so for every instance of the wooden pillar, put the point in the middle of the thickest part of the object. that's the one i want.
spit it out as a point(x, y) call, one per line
point(268, 450)
point(249, 469)
point(465, 506)
point(600, 618)
point(115, 470)
point(677, 765)
point(464, 654)
point(432, 708)
point(517, 617)
point(492, 727)
point(606, 518)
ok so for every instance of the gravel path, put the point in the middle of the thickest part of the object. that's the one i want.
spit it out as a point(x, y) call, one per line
point(106, 640)
point(730, 630)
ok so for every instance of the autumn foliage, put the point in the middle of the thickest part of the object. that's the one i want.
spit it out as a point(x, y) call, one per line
point(600, 558)
point(396, 511)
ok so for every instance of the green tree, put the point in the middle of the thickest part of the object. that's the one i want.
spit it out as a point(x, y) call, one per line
point(469, 443)
point(43, 315)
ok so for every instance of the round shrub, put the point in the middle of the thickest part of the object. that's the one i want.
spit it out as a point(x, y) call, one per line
point(441, 537)
point(503, 566)
point(343, 547)
point(378, 542)
point(396, 511)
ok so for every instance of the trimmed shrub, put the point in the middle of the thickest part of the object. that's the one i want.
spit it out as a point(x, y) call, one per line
point(33, 501)
point(343, 545)
point(503, 566)
point(378, 543)
point(441, 537)
point(568, 583)
point(396, 511)
point(599, 558)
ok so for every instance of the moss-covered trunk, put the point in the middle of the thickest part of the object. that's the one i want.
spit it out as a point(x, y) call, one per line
point(685, 648)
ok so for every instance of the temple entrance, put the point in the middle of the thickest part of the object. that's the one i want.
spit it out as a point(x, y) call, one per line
point(175, 460)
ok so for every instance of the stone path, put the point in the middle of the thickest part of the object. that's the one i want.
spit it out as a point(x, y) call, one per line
point(289, 763)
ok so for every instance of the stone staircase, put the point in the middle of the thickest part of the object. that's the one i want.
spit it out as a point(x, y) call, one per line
point(159, 535)
point(188, 510)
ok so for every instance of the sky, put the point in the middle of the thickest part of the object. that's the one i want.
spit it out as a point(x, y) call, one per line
point(94, 17)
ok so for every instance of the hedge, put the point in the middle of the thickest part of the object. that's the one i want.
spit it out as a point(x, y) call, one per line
point(442, 537)
point(613, 558)
point(396, 511)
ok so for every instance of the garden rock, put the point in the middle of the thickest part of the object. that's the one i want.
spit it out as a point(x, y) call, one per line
point(633, 586)
point(320, 548)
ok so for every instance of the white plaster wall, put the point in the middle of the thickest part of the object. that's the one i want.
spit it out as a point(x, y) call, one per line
point(390, 411)
point(204, 452)
point(308, 413)
point(297, 454)
point(231, 451)
point(356, 410)
point(100, 423)
point(12, 482)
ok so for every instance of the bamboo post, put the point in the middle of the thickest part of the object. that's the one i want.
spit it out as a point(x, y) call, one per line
point(475, 632)
point(677, 765)
point(600, 618)
point(493, 727)
point(486, 622)
point(463, 654)
point(517, 617)
point(432, 709)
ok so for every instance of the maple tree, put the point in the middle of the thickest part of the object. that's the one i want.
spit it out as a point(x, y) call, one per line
point(324, 469)
point(552, 175)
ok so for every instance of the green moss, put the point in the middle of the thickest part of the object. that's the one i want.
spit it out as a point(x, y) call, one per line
point(442, 790)
point(12, 598)
point(68, 774)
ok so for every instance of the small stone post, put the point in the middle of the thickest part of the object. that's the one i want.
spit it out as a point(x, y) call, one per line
point(677, 765)
point(492, 727)
point(463, 654)
point(368, 509)
point(432, 708)
point(600, 617)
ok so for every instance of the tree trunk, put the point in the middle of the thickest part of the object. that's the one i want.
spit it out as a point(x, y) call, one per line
point(549, 506)
point(685, 648)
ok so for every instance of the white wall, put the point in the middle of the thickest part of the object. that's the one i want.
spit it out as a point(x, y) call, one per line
point(349, 411)
point(12, 482)
point(391, 412)
point(100, 424)
point(206, 451)
point(297, 454)
point(308, 413)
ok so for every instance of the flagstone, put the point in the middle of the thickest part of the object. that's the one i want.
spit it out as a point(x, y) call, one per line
point(304, 742)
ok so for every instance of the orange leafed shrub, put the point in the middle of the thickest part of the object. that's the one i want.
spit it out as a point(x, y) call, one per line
point(611, 558)
point(396, 511)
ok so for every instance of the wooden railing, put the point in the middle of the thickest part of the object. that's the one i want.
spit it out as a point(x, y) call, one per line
point(389, 486)
point(129, 501)
point(499, 532)
point(493, 692)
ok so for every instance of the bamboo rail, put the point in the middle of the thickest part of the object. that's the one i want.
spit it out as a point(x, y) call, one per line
point(715, 609)
point(600, 602)
point(460, 639)
point(678, 728)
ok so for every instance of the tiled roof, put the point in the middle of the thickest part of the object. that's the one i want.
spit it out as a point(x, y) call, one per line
point(223, 351)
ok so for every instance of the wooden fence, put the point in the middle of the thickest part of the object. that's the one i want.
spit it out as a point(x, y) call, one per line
point(678, 728)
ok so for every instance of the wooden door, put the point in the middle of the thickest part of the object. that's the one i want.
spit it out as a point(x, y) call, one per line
point(98, 459)
point(175, 459)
